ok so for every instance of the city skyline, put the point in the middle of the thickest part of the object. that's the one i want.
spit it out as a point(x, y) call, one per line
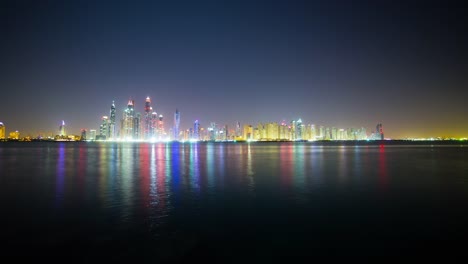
point(341, 64)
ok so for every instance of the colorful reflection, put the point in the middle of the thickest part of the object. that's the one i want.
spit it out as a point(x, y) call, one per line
point(383, 175)
point(60, 175)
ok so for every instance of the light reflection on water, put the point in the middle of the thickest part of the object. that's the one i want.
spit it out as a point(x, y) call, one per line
point(190, 192)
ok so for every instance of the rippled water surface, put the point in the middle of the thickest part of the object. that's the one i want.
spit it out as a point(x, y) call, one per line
point(230, 201)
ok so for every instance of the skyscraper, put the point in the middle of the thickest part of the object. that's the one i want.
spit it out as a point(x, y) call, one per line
point(83, 134)
point(299, 130)
point(2, 131)
point(92, 134)
point(111, 133)
point(161, 132)
point(379, 131)
point(104, 128)
point(127, 121)
point(196, 130)
point(176, 124)
point(62, 130)
point(147, 124)
point(137, 126)
point(154, 125)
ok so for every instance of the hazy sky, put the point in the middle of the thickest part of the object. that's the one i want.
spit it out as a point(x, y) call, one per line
point(332, 63)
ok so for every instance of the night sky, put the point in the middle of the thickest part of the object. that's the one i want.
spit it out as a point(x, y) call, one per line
point(331, 63)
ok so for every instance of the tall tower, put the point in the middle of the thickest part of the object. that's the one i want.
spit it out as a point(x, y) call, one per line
point(161, 131)
point(147, 124)
point(154, 125)
point(127, 121)
point(176, 124)
point(83, 134)
point(111, 133)
point(137, 126)
point(196, 130)
point(238, 129)
point(62, 131)
point(2, 131)
point(379, 131)
point(104, 127)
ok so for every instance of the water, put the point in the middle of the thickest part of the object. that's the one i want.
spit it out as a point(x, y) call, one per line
point(231, 202)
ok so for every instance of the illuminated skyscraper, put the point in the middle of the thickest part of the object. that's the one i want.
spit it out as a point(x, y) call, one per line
point(272, 131)
point(248, 132)
point(176, 124)
point(212, 131)
point(196, 130)
point(299, 130)
point(2, 131)
point(137, 126)
point(92, 134)
point(62, 130)
point(161, 132)
point(154, 125)
point(83, 134)
point(147, 124)
point(334, 133)
point(322, 132)
point(104, 128)
point(379, 131)
point(111, 133)
point(127, 121)
point(238, 129)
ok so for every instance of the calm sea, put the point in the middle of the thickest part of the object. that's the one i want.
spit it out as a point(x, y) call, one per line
point(230, 201)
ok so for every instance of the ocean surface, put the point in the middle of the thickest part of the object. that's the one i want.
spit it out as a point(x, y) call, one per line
point(230, 202)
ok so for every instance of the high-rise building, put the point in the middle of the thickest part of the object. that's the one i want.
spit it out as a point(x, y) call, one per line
point(272, 131)
point(212, 131)
point(137, 126)
point(327, 134)
point(225, 135)
point(313, 132)
point(161, 132)
point(176, 124)
point(283, 134)
point(322, 132)
point(127, 121)
point(299, 129)
point(111, 133)
point(147, 123)
point(196, 130)
point(379, 131)
point(92, 134)
point(248, 132)
point(238, 129)
point(62, 130)
point(334, 133)
point(154, 125)
point(83, 134)
point(104, 128)
point(292, 129)
point(2, 131)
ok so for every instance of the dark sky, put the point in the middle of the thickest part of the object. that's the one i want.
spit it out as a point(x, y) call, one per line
point(331, 63)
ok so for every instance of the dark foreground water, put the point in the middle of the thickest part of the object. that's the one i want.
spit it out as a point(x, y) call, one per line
point(230, 202)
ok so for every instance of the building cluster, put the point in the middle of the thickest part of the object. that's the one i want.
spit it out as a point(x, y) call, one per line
point(273, 131)
point(150, 126)
point(134, 126)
